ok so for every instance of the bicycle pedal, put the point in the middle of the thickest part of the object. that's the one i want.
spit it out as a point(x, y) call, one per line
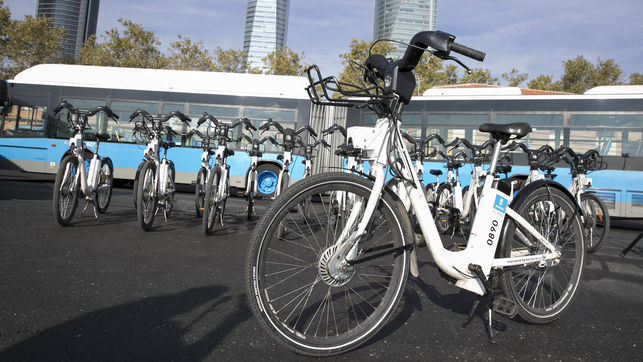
point(505, 306)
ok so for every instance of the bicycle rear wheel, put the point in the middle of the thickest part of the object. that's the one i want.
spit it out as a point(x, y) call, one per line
point(300, 297)
point(212, 205)
point(444, 200)
point(597, 221)
point(104, 190)
point(146, 196)
point(65, 190)
point(543, 292)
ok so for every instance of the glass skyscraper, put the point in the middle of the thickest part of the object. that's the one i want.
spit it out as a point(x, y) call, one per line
point(79, 17)
point(266, 29)
point(401, 19)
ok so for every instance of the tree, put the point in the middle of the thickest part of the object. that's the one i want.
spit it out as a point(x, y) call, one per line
point(514, 78)
point(636, 79)
point(580, 74)
point(25, 43)
point(188, 55)
point(478, 76)
point(135, 48)
point(544, 82)
point(231, 61)
point(283, 61)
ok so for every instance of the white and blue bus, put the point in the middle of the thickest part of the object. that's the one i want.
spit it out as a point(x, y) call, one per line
point(33, 140)
point(608, 119)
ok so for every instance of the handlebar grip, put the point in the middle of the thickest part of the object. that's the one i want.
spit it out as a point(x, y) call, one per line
point(468, 52)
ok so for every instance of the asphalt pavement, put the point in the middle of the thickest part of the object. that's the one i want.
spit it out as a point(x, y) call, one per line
point(103, 289)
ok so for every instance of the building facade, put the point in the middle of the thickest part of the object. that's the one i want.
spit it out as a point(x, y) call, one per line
point(79, 17)
point(401, 19)
point(266, 29)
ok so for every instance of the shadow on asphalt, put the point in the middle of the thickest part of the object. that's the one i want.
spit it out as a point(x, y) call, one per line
point(181, 326)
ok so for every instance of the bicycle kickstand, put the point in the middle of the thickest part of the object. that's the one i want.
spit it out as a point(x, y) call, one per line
point(477, 270)
point(87, 202)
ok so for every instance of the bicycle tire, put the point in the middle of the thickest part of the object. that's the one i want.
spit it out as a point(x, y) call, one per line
point(251, 200)
point(370, 293)
point(199, 191)
point(105, 183)
point(211, 207)
point(135, 183)
point(168, 203)
point(543, 292)
point(442, 215)
point(65, 199)
point(597, 221)
point(146, 196)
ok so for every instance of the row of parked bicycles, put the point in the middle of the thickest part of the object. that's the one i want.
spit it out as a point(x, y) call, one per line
point(154, 182)
point(454, 206)
point(328, 261)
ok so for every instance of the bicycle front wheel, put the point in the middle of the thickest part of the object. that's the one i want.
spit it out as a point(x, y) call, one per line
point(199, 191)
point(542, 292)
point(212, 204)
point(251, 200)
point(105, 182)
point(597, 221)
point(146, 196)
point(299, 294)
point(66, 190)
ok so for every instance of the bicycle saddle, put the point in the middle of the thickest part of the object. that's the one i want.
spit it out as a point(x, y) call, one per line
point(504, 131)
point(436, 172)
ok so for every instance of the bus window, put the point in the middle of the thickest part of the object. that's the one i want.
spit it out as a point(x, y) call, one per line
point(412, 125)
point(175, 123)
point(95, 122)
point(259, 116)
point(464, 125)
point(547, 129)
point(609, 134)
point(9, 126)
point(123, 131)
point(223, 114)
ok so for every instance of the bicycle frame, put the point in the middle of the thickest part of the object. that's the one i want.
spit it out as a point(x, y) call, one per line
point(484, 237)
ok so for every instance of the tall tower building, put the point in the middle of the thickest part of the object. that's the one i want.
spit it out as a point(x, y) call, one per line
point(401, 19)
point(79, 17)
point(266, 29)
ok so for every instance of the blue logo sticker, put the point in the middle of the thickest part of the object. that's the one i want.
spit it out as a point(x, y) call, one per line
point(500, 204)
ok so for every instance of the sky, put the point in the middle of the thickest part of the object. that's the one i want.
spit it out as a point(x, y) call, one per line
point(534, 37)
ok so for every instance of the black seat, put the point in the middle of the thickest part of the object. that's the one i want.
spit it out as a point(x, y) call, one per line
point(503, 132)
point(436, 172)
point(503, 169)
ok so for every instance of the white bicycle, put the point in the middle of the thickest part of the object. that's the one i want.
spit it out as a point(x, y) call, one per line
point(95, 181)
point(322, 289)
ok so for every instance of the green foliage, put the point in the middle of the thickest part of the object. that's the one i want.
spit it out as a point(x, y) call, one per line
point(514, 78)
point(135, 48)
point(636, 79)
point(230, 60)
point(25, 43)
point(544, 82)
point(283, 61)
point(581, 75)
point(478, 76)
point(188, 55)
